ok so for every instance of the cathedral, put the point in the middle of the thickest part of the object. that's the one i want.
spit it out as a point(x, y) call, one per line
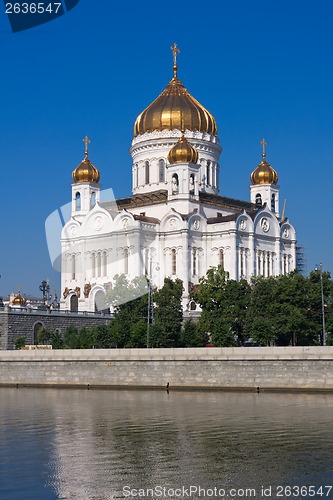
point(175, 223)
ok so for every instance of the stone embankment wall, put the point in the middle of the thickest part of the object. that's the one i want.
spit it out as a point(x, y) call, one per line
point(284, 368)
point(22, 323)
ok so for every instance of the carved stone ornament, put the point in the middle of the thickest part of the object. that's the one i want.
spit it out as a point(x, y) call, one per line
point(66, 292)
point(242, 225)
point(86, 290)
point(173, 222)
point(286, 232)
point(73, 230)
point(264, 223)
point(99, 223)
point(125, 222)
point(196, 225)
point(77, 290)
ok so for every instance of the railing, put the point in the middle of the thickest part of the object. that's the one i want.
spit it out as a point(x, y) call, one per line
point(54, 312)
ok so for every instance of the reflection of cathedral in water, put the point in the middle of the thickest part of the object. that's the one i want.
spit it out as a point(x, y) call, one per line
point(175, 223)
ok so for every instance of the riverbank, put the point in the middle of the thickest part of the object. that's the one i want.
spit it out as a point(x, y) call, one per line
point(246, 368)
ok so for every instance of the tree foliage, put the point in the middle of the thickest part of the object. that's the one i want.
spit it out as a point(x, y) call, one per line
point(224, 307)
point(279, 310)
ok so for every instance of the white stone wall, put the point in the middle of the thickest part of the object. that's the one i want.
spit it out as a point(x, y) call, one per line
point(284, 368)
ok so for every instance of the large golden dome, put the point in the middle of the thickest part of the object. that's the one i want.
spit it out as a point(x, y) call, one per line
point(86, 171)
point(175, 108)
point(264, 173)
point(183, 152)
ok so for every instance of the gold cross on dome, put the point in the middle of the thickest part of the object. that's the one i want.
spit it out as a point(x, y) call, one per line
point(264, 144)
point(175, 51)
point(86, 141)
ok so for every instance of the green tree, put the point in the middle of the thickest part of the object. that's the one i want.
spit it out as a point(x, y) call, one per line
point(168, 315)
point(57, 340)
point(129, 301)
point(191, 336)
point(43, 336)
point(19, 342)
point(224, 307)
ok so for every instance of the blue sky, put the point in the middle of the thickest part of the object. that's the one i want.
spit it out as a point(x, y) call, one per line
point(263, 69)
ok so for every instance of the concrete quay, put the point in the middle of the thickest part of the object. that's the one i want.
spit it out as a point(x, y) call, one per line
point(246, 368)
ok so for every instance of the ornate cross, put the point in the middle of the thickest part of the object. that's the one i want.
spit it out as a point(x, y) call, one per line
point(175, 51)
point(86, 141)
point(264, 144)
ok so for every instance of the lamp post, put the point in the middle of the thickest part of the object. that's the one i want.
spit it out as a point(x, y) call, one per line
point(45, 289)
point(150, 312)
point(322, 302)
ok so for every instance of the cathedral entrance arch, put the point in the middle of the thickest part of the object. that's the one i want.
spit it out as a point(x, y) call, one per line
point(101, 304)
point(74, 303)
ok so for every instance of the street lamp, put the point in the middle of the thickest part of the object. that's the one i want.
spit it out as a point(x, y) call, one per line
point(322, 302)
point(150, 312)
point(45, 289)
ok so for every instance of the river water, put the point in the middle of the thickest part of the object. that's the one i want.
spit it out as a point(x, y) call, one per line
point(105, 444)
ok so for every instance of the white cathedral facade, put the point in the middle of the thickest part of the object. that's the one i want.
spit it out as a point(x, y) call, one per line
point(175, 224)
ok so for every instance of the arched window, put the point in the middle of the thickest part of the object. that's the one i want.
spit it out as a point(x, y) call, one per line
point(173, 261)
point(126, 261)
point(147, 172)
point(273, 203)
point(194, 262)
point(77, 202)
point(221, 258)
point(93, 199)
point(99, 265)
point(137, 174)
point(147, 262)
point(161, 164)
point(208, 177)
point(105, 264)
point(73, 267)
point(193, 305)
point(258, 199)
point(175, 183)
point(191, 184)
point(93, 265)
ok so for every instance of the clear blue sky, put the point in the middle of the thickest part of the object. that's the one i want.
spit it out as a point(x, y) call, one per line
point(263, 69)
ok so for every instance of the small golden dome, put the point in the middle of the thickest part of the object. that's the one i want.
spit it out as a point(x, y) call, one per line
point(18, 300)
point(86, 172)
point(264, 173)
point(183, 152)
point(174, 109)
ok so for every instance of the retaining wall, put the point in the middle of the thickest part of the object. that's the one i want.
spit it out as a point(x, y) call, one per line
point(288, 368)
point(22, 322)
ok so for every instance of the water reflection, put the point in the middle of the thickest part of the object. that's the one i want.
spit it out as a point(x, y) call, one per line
point(76, 444)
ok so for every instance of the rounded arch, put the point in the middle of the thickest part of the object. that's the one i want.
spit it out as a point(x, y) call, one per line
point(266, 223)
point(98, 300)
point(244, 223)
point(74, 303)
point(171, 221)
point(37, 329)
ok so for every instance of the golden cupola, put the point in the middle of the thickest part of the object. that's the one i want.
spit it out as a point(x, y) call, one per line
point(18, 300)
point(86, 171)
point(183, 152)
point(175, 108)
point(264, 173)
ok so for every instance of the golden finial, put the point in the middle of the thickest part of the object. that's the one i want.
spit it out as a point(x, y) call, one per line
point(86, 141)
point(264, 144)
point(175, 51)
